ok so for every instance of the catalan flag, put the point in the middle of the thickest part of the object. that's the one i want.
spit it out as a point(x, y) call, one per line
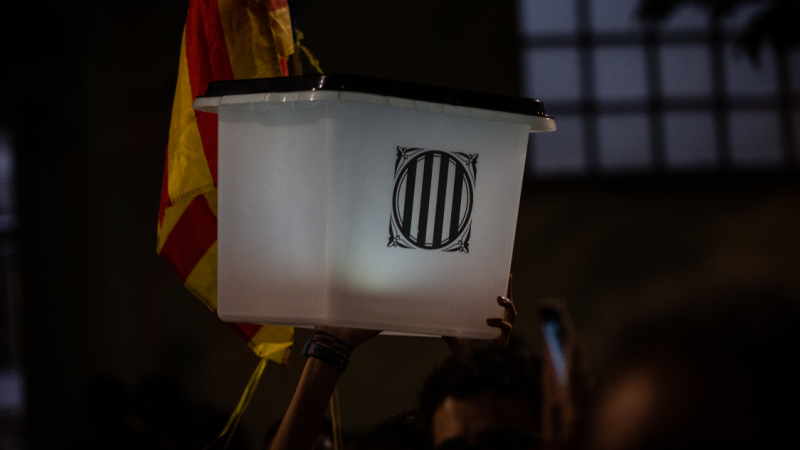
point(222, 40)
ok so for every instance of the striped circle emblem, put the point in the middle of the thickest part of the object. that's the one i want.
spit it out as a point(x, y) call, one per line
point(432, 199)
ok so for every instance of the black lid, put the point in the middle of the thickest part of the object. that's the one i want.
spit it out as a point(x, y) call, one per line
point(369, 85)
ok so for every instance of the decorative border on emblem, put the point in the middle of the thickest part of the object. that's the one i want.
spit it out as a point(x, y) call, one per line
point(432, 199)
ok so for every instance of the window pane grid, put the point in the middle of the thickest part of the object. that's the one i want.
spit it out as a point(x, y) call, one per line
point(687, 68)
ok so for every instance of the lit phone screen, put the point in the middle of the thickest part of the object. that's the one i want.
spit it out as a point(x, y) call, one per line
point(555, 347)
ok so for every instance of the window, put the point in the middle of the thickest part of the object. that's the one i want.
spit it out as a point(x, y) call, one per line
point(635, 98)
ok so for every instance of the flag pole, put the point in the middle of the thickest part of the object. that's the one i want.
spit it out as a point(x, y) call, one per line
point(336, 420)
point(297, 65)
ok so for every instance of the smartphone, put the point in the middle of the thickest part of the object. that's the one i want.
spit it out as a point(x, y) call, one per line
point(552, 316)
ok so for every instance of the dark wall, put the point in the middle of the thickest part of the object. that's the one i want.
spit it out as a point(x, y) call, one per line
point(617, 247)
point(88, 88)
point(463, 44)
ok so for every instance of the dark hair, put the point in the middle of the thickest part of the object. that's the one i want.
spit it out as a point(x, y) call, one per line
point(325, 429)
point(400, 432)
point(509, 372)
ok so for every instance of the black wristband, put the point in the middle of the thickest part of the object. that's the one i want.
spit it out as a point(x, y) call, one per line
point(333, 342)
point(337, 360)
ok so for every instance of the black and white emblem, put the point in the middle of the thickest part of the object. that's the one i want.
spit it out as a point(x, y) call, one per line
point(432, 199)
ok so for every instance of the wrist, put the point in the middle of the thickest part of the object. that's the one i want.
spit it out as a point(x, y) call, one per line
point(333, 342)
point(326, 354)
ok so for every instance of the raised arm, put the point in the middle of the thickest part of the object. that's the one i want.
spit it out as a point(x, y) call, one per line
point(300, 425)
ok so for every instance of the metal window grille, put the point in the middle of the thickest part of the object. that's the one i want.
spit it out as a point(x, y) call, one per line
point(635, 98)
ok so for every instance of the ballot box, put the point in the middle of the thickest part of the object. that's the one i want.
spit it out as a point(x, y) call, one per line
point(368, 203)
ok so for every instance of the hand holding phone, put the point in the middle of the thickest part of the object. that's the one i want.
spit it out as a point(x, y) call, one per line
point(554, 342)
point(558, 410)
point(555, 329)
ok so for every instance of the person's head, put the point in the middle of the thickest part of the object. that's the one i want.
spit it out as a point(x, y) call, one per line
point(400, 432)
point(324, 439)
point(490, 397)
point(715, 373)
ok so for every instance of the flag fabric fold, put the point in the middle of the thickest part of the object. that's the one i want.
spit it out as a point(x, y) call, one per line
point(222, 40)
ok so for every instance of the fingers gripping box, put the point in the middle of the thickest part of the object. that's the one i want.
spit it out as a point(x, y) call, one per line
point(353, 201)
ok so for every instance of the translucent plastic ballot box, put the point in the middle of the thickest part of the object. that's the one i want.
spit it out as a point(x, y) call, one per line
point(366, 203)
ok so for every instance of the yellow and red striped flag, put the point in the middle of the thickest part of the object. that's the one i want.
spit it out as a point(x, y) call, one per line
point(222, 40)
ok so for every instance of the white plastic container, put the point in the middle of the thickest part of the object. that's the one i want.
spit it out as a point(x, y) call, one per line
point(365, 203)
